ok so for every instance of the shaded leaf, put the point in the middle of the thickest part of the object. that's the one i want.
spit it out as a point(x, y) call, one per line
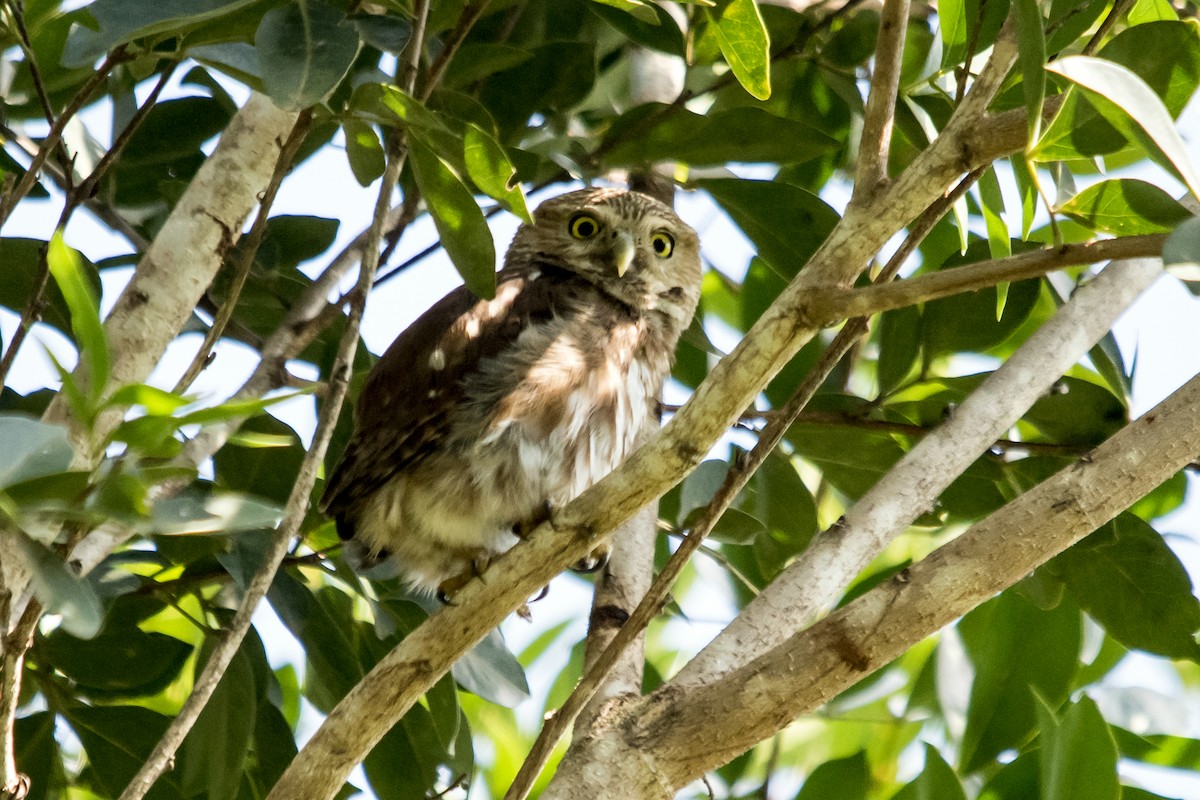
point(936, 782)
point(32, 449)
point(304, 50)
point(1127, 578)
point(1016, 649)
point(121, 21)
point(1078, 755)
point(845, 778)
point(122, 661)
point(656, 132)
point(1032, 39)
point(59, 589)
point(1124, 207)
point(364, 151)
point(490, 670)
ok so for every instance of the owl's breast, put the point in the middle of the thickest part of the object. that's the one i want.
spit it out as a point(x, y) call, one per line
point(564, 407)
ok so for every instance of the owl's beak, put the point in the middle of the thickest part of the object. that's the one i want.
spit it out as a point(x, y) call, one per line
point(623, 252)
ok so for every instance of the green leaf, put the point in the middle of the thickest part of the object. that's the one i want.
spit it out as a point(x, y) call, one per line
point(1016, 649)
point(460, 224)
point(59, 589)
point(1016, 780)
point(744, 42)
point(952, 26)
point(1026, 179)
point(1078, 411)
point(32, 449)
point(936, 782)
point(1129, 92)
point(786, 223)
point(844, 778)
point(67, 270)
point(383, 31)
point(656, 132)
point(490, 670)
point(157, 402)
point(1125, 207)
point(268, 472)
point(1127, 578)
point(1032, 39)
point(22, 259)
point(364, 151)
point(637, 8)
point(999, 243)
point(489, 169)
point(1078, 755)
point(477, 60)
point(216, 747)
point(318, 621)
point(899, 346)
point(120, 21)
point(226, 512)
point(117, 740)
point(778, 497)
point(304, 49)
point(120, 662)
point(1079, 130)
point(37, 754)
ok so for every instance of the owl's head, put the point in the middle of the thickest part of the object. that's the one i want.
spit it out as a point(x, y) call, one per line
point(630, 245)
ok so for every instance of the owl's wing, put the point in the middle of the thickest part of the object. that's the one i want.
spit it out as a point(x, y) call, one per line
point(402, 412)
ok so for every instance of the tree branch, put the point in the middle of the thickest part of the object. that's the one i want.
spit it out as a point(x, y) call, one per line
point(813, 583)
point(881, 104)
point(814, 665)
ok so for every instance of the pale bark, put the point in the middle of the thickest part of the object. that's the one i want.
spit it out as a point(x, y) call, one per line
point(679, 733)
point(817, 579)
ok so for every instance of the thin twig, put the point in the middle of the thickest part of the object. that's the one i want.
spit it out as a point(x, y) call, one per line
point(16, 9)
point(466, 20)
point(87, 187)
point(52, 138)
point(1118, 10)
point(881, 103)
point(248, 252)
point(12, 657)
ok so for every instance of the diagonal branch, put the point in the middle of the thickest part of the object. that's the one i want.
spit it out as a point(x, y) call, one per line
point(812, 666)
point(816, 580)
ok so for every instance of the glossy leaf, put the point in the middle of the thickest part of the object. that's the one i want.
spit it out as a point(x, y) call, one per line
point(489, 168)
point(117, 740)
point(845, 778)
point(637, 8)
point(1127, 578)
point(304, 50)
point(32, 449)
point(460, 224)
point(364, 151)
point(121, 21)
point(745, 44)
point(226, 512)
point(220, 738)
point(1135, 98)
point(123, 661)
point(22, 260)
point(1125, 207)
point(491, 671)
point(67, 269)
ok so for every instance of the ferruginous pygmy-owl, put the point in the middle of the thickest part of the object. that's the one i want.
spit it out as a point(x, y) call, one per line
point(485, 413)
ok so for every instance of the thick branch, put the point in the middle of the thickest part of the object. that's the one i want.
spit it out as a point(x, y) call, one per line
point(911, 487)
point(809, 668)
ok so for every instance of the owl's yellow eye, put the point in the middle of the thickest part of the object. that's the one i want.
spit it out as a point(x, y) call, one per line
point(663, 243)
point(584, 226)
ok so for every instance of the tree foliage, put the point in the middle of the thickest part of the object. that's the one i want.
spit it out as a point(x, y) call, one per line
point(1010, 146)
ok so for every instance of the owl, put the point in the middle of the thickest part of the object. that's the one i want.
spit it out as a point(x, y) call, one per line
point(485, 414)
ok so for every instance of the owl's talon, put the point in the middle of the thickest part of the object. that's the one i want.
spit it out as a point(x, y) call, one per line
point(542, 594)
point(524, 613)
point(594, 562)
point(542, 514)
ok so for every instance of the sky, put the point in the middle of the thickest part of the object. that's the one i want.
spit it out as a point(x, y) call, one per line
point(1160, 330)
